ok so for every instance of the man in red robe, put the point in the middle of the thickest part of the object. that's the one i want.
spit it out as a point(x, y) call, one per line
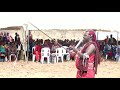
point(37, 51)
point(88, 58)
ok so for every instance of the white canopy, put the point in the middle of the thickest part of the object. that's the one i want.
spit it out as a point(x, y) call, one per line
point(62, 20)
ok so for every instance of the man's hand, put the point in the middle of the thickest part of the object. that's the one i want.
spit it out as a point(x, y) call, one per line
point(71, 47)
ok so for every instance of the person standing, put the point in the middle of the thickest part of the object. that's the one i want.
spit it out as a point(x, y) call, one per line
point(88, 58)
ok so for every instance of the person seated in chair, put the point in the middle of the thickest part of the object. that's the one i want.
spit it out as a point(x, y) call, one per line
point(37, 51)
point(108, 49)
point(114, 48)
point(54, 47)
point(13, 50)
point(117, 56)
point(53, 50)
point(19, 48)
point(3, 50)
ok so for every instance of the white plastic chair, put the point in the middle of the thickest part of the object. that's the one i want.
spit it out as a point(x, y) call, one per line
point(59, 54)
point(33, 55)
point(45, 53)
point(53, 57)
point(18, 49)
point(65, 52)
point(11, 56)
point(117, 56)
point(5, 57)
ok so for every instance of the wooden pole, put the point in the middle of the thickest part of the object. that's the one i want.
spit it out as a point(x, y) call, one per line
point(24, 38)
point(25, 42)
point(25, 45)
point(28, 47)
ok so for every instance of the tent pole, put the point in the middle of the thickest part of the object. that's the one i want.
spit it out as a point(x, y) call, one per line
point(28, 47)
point(25, 45)
point(25, 42)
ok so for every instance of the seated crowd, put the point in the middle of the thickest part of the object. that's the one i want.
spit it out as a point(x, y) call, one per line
point(51, 44)
point(109, 47)
point(10, 48)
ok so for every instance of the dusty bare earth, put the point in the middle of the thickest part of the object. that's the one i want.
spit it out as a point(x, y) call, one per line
point(21, 69)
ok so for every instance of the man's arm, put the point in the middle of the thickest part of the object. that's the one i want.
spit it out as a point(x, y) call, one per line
point(88, 51)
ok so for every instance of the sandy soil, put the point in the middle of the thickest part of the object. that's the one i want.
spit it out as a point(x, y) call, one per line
point(21, 69)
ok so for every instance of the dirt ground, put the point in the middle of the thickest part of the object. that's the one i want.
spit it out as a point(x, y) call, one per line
point(21, 69)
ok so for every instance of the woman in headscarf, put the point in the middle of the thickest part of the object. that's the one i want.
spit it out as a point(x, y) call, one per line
point(88, 58)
